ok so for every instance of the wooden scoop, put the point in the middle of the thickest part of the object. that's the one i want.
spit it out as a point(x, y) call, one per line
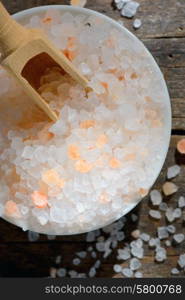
point(27, 53)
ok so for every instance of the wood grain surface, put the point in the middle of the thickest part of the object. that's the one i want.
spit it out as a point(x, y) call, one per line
point(163, 32)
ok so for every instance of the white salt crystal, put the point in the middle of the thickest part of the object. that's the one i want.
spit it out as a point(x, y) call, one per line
point(173, 171)
point(177, 213)
point(168, 243)
point(117, 268)
point(170, 215)
point(138, 274)
point(137, 252)
point(163, 206)
point(162, 232)
point(100, 246)
point(97, 264)
point(178, 238)
point(53, 272)
point(155, 214)
point(58, 259)
point(135, 264)
point(169, 188)
point(181, 261)
point(145, 237)
point(92, 272)
point(137, 23)
point(127, 272)
point(61, 272)
point(123, 254)
point(129, 10)
point(181, 202)
point(160, 254)
point(93, 254)
point(33, 236)
point(154, 242)
point(76, 261)
point(81, 254)
point(175, 271)
point(90, 237)
point(155, 197)
point(134, 217)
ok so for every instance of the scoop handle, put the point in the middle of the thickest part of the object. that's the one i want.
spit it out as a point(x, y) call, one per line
point(12, 34)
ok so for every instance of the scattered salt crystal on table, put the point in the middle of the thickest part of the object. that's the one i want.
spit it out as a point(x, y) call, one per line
point(163, 206)
point(170, 214)
point(33, 236)
point(137, 252)
point(175, 271)
point(93, 254)
point(173, 171)
point(181, 146)
point(181, 261)
point(145, 237)
point(160, 255)
point(117, 268)
point(155, 214)
point(137, 23)
point(135, 264)
point(168, 243)
point(81, 254)
point(162, 232)
point(92, 272)
point(97, 264)
point(127, 272)
point(129, 9)
point(138, 274)
point(177, 213)
point(171, 229)
point(90, 236)
point(61, 272)
point(58, 259)
point(181, 202)
point(76, 261)
point(123, 254)
point(155, 197)
point(169, 188)
point(178, 238)
point(154, 242)
point(134, 218)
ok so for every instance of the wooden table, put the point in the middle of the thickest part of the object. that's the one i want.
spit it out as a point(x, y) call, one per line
point(163, 32)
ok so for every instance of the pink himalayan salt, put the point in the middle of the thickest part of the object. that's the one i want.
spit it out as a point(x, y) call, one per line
point(181, 146)
point(169, 188)
point(39, 199)
point(83, 166)
point(73, 152)
point(11, 209)
point(81, 3)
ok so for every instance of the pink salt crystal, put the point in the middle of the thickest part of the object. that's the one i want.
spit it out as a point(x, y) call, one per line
point(73, 152)
point(181, 146)
point(169, 188)
point(101, 141)
point(114, 163)
point(52, 177)
point(80, 3)
point(11, 209)
point(87, 124)
point(83, 166)
point(39, 199)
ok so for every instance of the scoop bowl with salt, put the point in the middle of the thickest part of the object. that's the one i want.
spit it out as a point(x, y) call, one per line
point(109, 144)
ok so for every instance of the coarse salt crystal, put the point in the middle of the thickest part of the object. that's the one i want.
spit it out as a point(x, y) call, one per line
point(169, 188)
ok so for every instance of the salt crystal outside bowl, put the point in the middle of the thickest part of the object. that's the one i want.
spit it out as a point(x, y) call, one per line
point(23, 17)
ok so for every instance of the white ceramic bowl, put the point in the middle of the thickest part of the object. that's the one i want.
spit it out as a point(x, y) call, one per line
point(23, 17)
